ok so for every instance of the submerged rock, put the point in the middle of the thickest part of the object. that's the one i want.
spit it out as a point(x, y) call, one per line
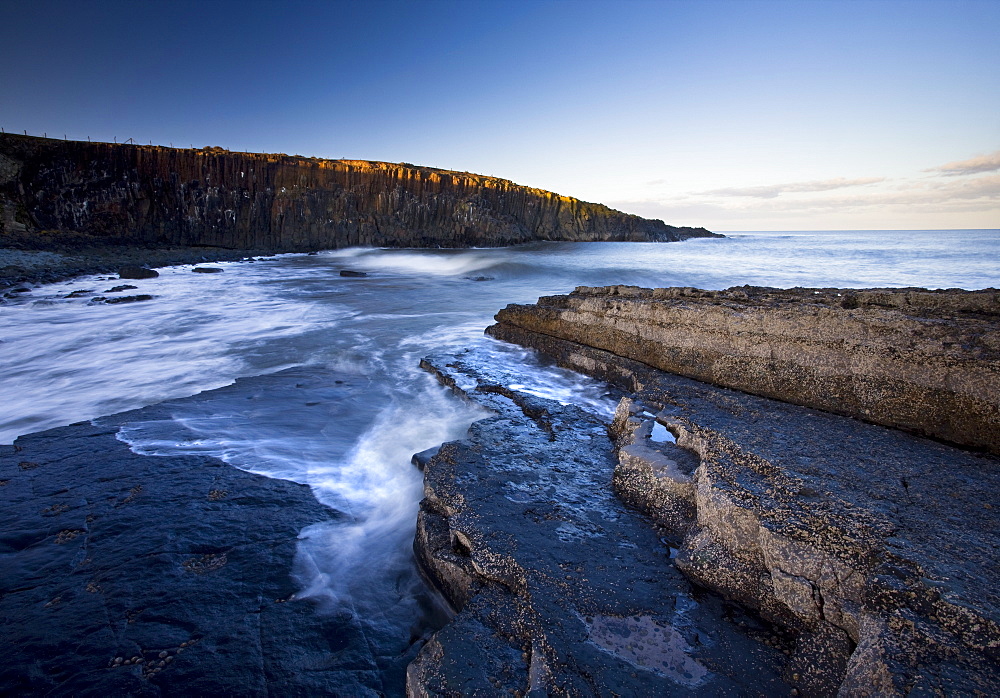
point(350, 272)
point(208, 270)
point(131, 272)
point(128, 299)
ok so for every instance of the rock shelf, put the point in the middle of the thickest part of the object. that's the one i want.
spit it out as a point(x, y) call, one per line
point(927, 361)
point(132, 575)
point(873, 548)
point(561, 588)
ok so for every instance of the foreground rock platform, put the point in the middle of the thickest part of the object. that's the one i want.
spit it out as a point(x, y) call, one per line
point(876, 548)
point(927, 361)
point(131, 575)
point(562, 589)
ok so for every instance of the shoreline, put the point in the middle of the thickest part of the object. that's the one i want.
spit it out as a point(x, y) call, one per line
point(59, 263)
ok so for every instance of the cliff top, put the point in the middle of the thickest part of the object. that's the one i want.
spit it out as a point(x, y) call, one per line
point(12, 143)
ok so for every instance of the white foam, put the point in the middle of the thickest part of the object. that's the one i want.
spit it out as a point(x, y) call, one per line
point(424, 262)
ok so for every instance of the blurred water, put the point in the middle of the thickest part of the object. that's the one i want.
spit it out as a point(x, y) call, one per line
point(66, 359)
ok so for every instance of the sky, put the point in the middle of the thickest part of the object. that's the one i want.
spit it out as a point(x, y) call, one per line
point(747, 115)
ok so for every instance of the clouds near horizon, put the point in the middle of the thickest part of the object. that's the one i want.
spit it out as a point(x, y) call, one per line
point(923, 199)
point(773, 190)
point(976, 165)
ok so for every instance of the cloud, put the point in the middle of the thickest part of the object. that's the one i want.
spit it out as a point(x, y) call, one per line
point(771, 191)
point(977, 165)
point(940, 196)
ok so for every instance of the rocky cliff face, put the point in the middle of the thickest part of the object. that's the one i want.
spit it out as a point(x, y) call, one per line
point(928, 361)
point(152, 194)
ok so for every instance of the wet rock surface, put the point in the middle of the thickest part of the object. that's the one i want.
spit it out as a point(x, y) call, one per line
point(875, 548)
point(135, 575)
point(44, 259)
point(562, 589)
point(927, 361)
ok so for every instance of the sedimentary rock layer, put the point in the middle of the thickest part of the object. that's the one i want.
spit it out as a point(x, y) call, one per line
point(259, 201)
point(561, 589)
point(927, 361)
point(874, 550)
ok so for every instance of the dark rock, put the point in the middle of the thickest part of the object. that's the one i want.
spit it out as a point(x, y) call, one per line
point(78, 293)
point(129, 299)
point(561, 589)
point(138, 575)
point(349, 272)
point(119, 289)
point(873, 547)
point(152, 194)
point(21, 289)
point(421, 459)
point(131, 272)
point(479, 278)
point(208, 270)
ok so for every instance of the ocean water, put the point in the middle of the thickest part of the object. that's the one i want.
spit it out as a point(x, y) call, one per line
point(64, 360)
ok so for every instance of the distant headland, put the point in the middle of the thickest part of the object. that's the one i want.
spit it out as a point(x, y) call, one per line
point(158, 196)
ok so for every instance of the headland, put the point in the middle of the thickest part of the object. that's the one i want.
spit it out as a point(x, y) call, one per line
point(111, 198)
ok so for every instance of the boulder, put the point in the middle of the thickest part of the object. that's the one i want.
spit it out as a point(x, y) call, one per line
point(133, 272)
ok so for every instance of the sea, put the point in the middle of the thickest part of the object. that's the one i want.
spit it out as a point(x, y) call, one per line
point(66, 359)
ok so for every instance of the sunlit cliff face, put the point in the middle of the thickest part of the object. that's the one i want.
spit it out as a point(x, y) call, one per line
point(210, 196)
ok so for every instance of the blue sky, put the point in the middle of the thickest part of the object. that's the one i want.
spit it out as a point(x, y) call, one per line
point(732, 115)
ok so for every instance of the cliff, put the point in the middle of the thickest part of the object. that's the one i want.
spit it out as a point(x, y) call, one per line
point(926, 361)
point(213, 197)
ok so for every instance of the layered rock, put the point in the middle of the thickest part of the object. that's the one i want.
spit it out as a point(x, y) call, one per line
point(560, 588)
point(927, 361)
point(254, 201)
point(876, 548)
